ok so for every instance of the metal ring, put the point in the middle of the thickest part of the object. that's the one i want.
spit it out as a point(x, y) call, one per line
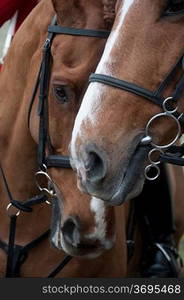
point(151, 152)
point(8, 207)
point(44, 167)
point(165, 108)
point(48, 192)
point(48, 202)
point(148, 168)
point(44, 174)
point(165, 114)
point(180, 116)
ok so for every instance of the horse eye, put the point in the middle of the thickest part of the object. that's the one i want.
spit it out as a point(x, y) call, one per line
point(61, 93)
point(174, 7)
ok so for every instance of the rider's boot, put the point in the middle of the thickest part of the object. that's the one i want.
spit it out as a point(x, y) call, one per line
point(161, 259)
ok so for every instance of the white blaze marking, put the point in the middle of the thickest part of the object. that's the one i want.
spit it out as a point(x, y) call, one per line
point(99, 233)
point(98, 208)
point(91, 102)
point(113, 40)
point(100, 230)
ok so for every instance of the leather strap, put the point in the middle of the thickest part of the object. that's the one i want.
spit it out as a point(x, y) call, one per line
point(42, 83)
point(126, 86)
point(11, 243)
point(58, 161)
point(17, 254)
point(79, 32)
point(60, 267)
point(154, 96)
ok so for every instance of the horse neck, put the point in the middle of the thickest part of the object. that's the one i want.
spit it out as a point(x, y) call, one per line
point(18, 160)
point(17, 148)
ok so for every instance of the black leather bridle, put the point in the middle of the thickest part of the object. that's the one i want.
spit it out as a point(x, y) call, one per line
point(43, 83)
point(174, 153)
point(17, 254)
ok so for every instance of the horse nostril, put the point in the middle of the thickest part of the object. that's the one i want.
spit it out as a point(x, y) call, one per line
point(95, 167)
point(70, 232)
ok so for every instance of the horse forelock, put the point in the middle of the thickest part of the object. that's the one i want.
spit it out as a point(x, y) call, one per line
point(74, 12)
point(109, 11)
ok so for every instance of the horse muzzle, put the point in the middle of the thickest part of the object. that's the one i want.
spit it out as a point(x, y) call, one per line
point(101, 178)
point(70, 239)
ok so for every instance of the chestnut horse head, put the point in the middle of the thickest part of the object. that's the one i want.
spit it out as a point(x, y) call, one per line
point(79, 225)
point(82, 225)
point(123, 112)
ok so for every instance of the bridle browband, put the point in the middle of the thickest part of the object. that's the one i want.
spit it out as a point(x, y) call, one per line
point(16, 254)
point(172, 154)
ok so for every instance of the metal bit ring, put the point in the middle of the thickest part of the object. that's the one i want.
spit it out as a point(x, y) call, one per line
point(148, 168)
point(42, 173)
point(45, 190)
point(150, 154)
point(165, 108)
point(165, 114)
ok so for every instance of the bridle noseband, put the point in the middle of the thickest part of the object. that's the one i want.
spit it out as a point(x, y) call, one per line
point(168, 153)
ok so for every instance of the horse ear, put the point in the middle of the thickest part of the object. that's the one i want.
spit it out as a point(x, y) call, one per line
point(109, 11)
